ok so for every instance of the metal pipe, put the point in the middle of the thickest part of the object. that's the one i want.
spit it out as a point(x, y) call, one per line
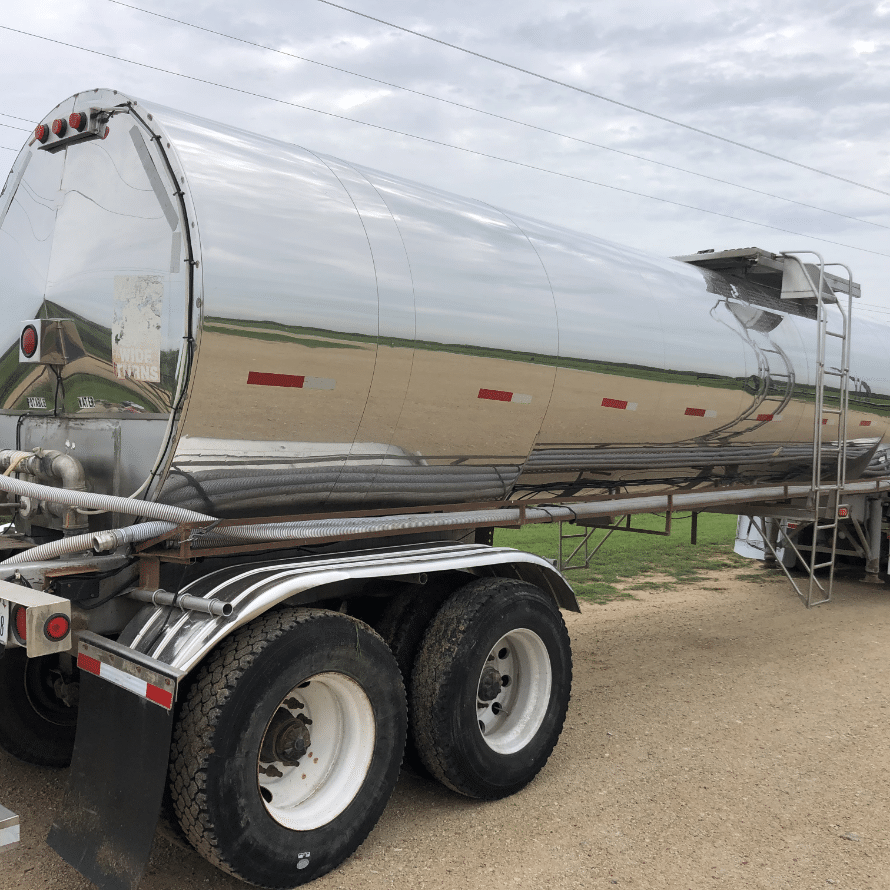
point(48, 464)
point(657, 503)
point(183, 601)
point(67, 469)
point(359, 526)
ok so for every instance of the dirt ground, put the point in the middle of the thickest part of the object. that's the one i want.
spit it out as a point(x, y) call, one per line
point(720, 735)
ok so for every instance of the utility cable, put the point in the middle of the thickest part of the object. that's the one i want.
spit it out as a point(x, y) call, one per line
point(426, 139)
point(11, 127)
point(493, 114)
point(27, 120)
point(634, 108)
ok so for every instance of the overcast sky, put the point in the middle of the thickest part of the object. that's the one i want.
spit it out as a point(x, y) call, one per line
point(807, 81)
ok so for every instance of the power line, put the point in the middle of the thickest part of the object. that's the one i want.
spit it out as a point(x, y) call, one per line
point(578, 89)
point(9, 149)
point(25, 119)
point(426, 139)
point(11, 127)
point(492, 114)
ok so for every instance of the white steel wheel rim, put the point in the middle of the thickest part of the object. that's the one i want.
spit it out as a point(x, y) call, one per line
point(509, 721)
point(315, 790)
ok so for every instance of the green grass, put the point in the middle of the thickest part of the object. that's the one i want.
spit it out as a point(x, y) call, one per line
point(760, 577)
point(254, 334)
point(627, 557)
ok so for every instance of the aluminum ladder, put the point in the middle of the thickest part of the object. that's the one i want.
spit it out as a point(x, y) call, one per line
point(832, 391)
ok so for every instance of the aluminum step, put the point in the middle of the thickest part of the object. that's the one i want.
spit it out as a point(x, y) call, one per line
point(9, 829)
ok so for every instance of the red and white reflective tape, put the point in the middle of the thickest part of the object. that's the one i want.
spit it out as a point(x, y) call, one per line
point(142, 688)
point(769, 418)
point(292, 381)
point(699, 412)
point(319, 383)
point(829, 421)
point(500, 395)
point(864, 423)
point(620, 404)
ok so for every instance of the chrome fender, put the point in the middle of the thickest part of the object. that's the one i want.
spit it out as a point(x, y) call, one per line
point(183, 639)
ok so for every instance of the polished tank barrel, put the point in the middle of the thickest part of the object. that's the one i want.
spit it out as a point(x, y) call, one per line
point(240, 326)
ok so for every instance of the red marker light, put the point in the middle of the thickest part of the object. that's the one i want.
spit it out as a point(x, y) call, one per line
point(59, 126)
point(56, 627)
point(21, 623)
point(843, 512)
point(41, 133)
point(29, 341)
point(77, 121)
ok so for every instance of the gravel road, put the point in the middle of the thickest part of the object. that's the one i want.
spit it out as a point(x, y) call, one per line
point(719, 735)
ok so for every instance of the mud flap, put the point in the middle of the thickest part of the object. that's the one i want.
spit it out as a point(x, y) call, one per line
point(110, 811)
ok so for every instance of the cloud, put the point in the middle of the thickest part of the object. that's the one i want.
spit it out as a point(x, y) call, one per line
point(799, 80)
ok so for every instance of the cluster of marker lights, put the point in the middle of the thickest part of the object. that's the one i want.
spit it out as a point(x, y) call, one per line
point(76, 122)
point(55, 628)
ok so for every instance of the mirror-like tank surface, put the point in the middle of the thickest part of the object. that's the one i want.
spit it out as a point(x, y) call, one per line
point(264, 330)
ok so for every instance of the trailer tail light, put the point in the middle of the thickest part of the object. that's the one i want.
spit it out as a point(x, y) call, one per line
point(35, 620)
point(41, 133)
point(29, 341)
point(77, 121)
point(20, 623)
point(57, 627)
point(843, 512)
point(49, 341)
point(60, 125)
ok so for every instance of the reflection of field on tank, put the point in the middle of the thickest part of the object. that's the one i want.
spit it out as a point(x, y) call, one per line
point(659, 406)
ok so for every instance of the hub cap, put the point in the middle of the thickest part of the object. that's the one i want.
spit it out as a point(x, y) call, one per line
point(514, 691)
point(316, 751)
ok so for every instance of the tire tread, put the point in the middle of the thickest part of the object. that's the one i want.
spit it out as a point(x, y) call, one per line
point(200, 715)
point(437, 668)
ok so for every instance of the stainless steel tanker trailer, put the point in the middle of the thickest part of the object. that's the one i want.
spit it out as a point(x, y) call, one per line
point(260, 410)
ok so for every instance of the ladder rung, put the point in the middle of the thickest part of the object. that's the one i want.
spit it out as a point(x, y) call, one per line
point(832, 411)
point(835, 334)
point(822, 565)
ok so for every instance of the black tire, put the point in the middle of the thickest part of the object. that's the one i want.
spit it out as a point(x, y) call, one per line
point(403, 625)
point(37, 725)
point(494, 640)
point(276, 684)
